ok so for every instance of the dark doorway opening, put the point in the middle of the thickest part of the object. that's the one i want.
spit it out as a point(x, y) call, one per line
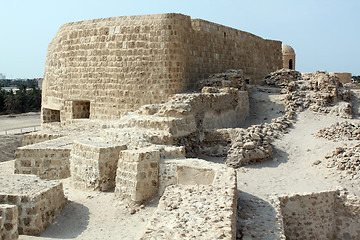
point(290, 64)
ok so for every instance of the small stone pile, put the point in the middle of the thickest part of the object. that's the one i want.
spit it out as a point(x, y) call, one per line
point(341, 131)
point(231, 78)
point(254, 143)
point(282, 77)
point(346, 159)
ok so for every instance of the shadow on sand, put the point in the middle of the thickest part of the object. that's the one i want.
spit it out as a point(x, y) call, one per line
point(71, 222)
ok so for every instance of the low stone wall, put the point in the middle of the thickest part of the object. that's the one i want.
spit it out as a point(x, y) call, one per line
point(202, 204)
point(38, 201)
point(49, 160)
point(324, 215)
point(137, 174)
point(38, 137)
point(93, 164)
point(8, 222)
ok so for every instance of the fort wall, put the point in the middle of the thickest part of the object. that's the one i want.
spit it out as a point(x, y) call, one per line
point(116, 65)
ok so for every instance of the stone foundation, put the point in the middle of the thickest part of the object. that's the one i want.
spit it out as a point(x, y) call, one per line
point(48, 160)
point(325, 215)
point(200, 203)
point(93, 164)
point(38, 201)
point(38, 137)
point(8, 222)
point(137, 174)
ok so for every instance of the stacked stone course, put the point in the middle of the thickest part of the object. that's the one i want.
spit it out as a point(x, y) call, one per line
point(38, 201)
point(324, 215)
point(138, 174)
point(93, 164)
point(49, 160)
point(202, 206)
point(116, 65)
point(8, 222)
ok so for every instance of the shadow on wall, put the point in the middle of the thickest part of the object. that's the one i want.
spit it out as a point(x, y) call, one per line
point(257, 218)
point(72, 221)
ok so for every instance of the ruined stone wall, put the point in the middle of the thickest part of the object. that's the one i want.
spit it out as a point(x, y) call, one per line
point(93, 164)
point(325, 215)
point(38, 137)
point(8, 222)
point(49, 159)
point(38, 201)
point(119, 64)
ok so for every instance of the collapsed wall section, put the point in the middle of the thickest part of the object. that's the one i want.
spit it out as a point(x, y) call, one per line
point(116, 65)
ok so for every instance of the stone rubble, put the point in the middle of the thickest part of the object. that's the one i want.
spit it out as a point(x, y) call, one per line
point(341, 131)
point(319, 92)
point(347, 160)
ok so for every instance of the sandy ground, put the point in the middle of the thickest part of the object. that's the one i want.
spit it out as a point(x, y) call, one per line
point(10, 124)
point(92, 215)
point(16, 121)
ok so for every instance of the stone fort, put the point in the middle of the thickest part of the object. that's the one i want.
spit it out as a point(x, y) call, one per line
point(148, 77)
point(103, 68)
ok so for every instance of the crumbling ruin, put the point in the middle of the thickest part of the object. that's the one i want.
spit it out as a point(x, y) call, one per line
point(130, 104)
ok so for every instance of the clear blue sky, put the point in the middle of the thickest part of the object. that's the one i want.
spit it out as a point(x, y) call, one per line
point(324, 33)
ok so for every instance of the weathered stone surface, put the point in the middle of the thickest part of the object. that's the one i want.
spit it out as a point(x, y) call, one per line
point(38, 201)
point(341, 131)
point(324, 215)
point(155, 56)
point(8, 222)
point(346, 159)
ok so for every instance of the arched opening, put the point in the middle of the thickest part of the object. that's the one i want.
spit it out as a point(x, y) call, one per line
point(290, 64)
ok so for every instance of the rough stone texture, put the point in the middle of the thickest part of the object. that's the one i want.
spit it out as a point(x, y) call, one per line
point(8, 222)
point(37, 137)
point(324, 215)
point(93, 164)
point(119, 64)
point(38, 201)
point(199, 207)
point(137, 177)
point(49, 160)
point(346, 159)
point(341, 131)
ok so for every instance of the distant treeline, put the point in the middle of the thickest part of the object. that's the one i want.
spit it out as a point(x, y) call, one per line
point(356, 78)
point(14, 82)
point(26, 99)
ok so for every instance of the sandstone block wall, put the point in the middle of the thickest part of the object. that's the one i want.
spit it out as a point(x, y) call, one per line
point(8, 222)
point(93, 164)
point(199, 201)
point(343, 77)
point(49, 160)
point(137, 174)
point(324, 215)
point(37, 137)
point(38, 201)
point(119, 64)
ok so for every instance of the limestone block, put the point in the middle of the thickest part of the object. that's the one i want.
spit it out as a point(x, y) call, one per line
point(49, 159)
point(93, 164)
point(8, 222)
point(209, 203)
point(137, 174)
point(166, 55)
point(38, 201)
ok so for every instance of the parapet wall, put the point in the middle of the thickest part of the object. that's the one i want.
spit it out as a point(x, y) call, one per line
point(118, 64)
